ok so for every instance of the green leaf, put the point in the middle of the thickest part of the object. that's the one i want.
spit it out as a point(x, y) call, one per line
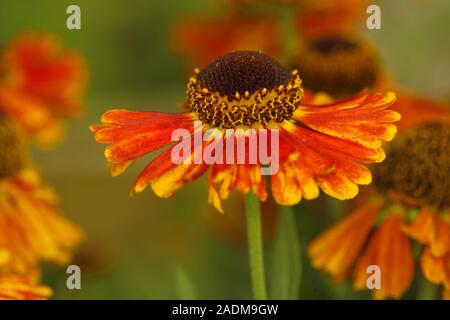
point(286, 261)
point(185, 287)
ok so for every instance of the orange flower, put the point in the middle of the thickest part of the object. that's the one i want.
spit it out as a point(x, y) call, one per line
point(31, 229)
point(39, 84)
point(319, 146)
point(415, 175)
point(203, 39)
point(13, 287)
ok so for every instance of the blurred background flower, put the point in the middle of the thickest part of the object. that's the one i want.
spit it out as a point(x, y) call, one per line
point(135, 246)
point(40, 84)
point(18, 288)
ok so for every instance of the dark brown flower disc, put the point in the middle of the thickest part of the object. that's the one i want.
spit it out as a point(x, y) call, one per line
point(242, 71)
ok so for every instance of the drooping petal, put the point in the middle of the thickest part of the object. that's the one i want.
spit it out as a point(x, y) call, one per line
point(332, 163)
point(435, 269)
point(166, 177)
point(440, 245)
point(295, 177)
point(429, 228)
point(245, 178)
point(134, 134)
point(335, 250)
point(389, 249)
point(422, 227)
point(361, 119)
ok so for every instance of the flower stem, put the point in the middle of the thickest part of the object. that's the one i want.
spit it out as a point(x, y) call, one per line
point(255, 247)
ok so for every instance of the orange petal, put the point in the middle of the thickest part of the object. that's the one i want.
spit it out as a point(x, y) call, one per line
point(421, 228)
point(335, 250)
point(223, 178)
point(390, 249)
point(134, 134)
point(165, 176)
point(331, 162)
point(440, 245)
point(435, 269)
point(171, 180)
point(361, 119)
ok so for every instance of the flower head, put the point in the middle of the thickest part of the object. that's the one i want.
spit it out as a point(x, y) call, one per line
point(410, 201)
point(417, 168)
point(40, 83)
point(339, 65)
point(13, 287)
point(319, 146)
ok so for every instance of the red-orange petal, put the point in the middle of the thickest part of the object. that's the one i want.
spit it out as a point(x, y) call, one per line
point(421, 228)
point(245, 178)
point(332, 163)
point(440, 245)
point(134, 134)
point(390, 249)
point(335, 250)
point(435, 269)
point(165, 176)
point(361, 119)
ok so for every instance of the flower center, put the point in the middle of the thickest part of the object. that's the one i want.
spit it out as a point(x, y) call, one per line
point(244, 88)
point(11, 151)
point(418, 165)
point(338, 66)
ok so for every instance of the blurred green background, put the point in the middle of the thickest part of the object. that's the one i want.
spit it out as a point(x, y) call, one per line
point(137, 246)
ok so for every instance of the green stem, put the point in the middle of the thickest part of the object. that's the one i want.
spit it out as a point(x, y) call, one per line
point(255, 247)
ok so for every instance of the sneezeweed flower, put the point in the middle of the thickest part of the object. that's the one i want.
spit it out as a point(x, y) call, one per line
point(320, 147)
point(31, 228)
point(410, 201)
point(340, 66)
point(40, 84)
point(13, 287)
